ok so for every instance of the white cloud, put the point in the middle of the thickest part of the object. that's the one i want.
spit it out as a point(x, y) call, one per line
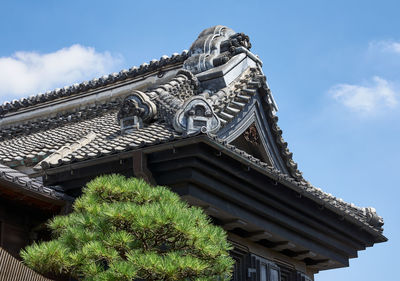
point(26, 73)
point(376, 96)
point(385, 46)
point(395, 47)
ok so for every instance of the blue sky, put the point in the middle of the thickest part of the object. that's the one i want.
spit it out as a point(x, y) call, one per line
point(333, 67)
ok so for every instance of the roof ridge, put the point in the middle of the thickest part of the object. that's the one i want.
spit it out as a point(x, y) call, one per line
point(124, 74)
point(37, 125)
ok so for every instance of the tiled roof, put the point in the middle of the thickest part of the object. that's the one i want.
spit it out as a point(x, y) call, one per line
point(125, 74)
point(31, 149)
point(21, 181)
point(46, 123)
point(112, 141)
point(36, 143)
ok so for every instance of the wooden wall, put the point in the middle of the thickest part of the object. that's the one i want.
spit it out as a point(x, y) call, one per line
point(19, 225)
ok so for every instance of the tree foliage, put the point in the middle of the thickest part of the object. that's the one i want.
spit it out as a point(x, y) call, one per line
point(124, 229)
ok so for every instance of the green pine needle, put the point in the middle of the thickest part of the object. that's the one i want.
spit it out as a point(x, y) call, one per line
point(125, 229)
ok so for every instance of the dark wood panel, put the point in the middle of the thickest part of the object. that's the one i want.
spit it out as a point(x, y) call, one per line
point(17, 223)
point(223, 165)
point(245, 196)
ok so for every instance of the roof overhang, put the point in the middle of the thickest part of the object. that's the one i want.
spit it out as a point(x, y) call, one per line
point(243, 197)
point(17, 186)
point(42, 201)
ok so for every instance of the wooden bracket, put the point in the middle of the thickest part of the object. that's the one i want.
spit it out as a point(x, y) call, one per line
point(140, 169)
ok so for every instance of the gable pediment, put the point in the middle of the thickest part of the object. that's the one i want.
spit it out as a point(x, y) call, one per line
point(250, 141)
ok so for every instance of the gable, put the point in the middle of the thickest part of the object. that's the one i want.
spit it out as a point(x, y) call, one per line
point(252, 143)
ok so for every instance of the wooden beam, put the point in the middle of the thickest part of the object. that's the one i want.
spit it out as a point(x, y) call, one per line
point(140, 169)
point(280, 246)
point(259, 235)
point(259, 222)
point(237, 223)
point(270, 209)
point(210, 210)
point(278, 197)
point(304, 254)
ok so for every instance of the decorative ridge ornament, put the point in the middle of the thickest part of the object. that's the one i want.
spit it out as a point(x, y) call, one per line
point(373, 218)
point(190, 76)
point(161, 103)
point(215, 46)
point(136, 109)
point(197, 115)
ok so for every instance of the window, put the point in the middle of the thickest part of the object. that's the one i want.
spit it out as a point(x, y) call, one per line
point(303, 277)
point(251, 267)
point(274, 274)
point(288, 274)
point(269, 271)
point(260, 269)
point(239, 270)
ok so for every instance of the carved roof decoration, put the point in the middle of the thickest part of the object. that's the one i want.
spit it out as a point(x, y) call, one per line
point(214, 89)
point(136, 109)
point(171, 96)
point(251, 135)
point(197, 115)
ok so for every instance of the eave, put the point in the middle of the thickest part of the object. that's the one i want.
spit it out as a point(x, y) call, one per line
point(18, 187)
point(239, 194)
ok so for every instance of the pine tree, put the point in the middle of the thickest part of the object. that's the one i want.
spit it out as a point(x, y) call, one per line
point(124, 229)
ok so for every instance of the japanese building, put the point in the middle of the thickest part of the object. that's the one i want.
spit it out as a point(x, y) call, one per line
point(203, 123)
